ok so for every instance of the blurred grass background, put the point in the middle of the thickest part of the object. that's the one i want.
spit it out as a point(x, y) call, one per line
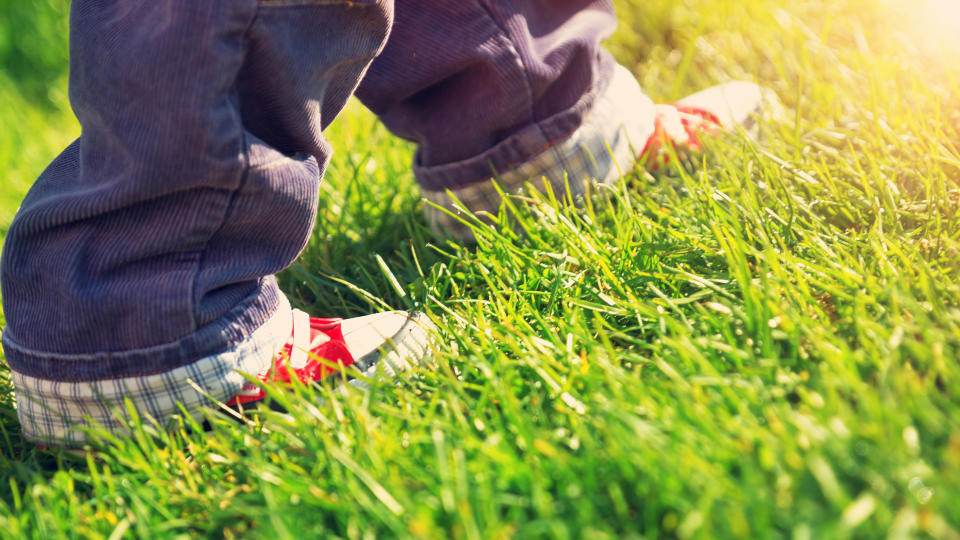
point(35, 113)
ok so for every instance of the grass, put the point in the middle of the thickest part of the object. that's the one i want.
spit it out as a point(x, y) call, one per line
point(765, 347)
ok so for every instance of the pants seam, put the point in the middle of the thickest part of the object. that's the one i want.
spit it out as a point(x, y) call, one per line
point(245, 166)
point(524, 68)
point(244, 175)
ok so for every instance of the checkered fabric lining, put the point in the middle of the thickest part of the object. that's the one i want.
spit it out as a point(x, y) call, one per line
point(53, 412)
point(603, 148)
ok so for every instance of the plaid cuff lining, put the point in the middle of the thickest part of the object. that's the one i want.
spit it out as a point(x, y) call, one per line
point(53, 412)
point(599, 151)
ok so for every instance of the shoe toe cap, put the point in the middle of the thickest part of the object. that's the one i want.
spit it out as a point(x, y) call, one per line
point(392, 341)
point(734, 103)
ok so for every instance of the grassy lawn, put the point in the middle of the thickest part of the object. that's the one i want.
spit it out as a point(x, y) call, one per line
point(765, 347)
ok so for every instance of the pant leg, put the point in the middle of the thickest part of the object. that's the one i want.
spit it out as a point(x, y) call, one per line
point(151, 241)
point(505, 88)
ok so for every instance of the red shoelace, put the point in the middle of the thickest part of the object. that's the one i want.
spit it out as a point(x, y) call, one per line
point(694, 122)
point(316, 349)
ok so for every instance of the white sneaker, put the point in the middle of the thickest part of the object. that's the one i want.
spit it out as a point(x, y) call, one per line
point(682, 126)
point(393, 341)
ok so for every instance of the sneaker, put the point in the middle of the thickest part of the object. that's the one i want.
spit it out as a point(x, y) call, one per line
point(683, 126)
point(318, 348)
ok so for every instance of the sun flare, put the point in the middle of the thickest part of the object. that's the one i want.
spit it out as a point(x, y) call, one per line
point(939, 21)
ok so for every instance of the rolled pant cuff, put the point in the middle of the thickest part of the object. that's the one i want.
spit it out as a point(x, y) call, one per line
point(606, 143)
point(58, 412)
point(226, 333)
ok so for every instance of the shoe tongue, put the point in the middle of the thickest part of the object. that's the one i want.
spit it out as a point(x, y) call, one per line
point(671, 121)
point(301, 340)
point(307, 337)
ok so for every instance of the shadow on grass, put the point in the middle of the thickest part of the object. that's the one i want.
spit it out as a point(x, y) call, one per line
point(365, 258)
point(22, 464)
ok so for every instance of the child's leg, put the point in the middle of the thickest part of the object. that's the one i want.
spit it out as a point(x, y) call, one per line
point(140, 264)
point(521, 88)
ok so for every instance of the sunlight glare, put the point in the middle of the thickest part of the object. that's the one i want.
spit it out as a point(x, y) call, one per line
point(939, 20)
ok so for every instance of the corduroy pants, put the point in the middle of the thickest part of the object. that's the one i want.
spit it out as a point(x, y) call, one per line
point(152, 240)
